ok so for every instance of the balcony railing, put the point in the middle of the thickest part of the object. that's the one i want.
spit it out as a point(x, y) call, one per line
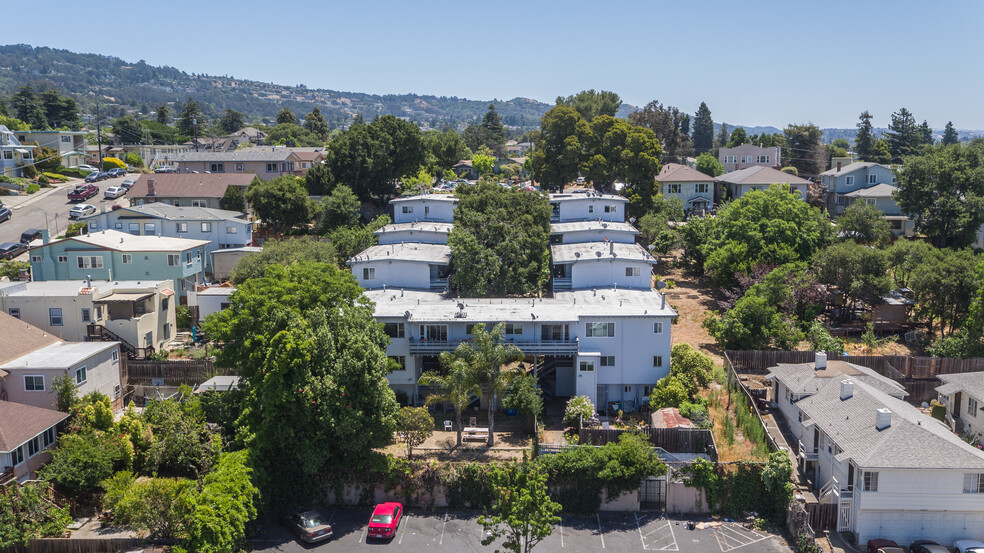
point(808, 455)
point(562, 283)
point(539, 347)
point(438, 283)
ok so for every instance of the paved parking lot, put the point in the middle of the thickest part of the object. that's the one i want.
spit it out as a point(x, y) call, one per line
point(426, 531)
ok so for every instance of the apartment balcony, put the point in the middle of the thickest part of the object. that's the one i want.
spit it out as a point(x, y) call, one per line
point(808, 455)
point(529, 347)
point(560, 284)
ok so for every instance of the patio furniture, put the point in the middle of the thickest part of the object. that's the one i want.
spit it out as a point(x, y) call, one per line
point(476, 433)
point(447, 426)
point(472, 421)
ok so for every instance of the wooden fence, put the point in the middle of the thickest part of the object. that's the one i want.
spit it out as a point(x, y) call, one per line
point(81, 545)
point(822, 516)
point(902, 366)
point(673, 440)
point(171, 373)
point(735, 383)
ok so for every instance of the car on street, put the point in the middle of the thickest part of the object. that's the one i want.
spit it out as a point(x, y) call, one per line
point(88, 168)
point(92, 177)
point(968, 546)
point(165, 169)
point(83, 192)
point(114, 192)
point(310, 526)
point(30, 235)
point(116, 172)
point(128, 183)
point(875, 545)
point(10, 250)
point(5, 213)
point(81, 210)
point(927, 546)
point(385, 520)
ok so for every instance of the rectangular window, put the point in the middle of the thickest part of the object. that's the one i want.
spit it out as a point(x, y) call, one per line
point(63, 259)
point(586, 366)
point(607, 360)
point(973, 483)
point(611, 209)
point(34, 383)
point(188, 258)
point(17, 456)
point(271, 167)
point(48, 437)
point(675, 188)
point(427, 210)
point(628, 389)
point(700, 188)
point(554, 332)
point(972, 407)
point(182, 227)
point(239, 167)
point(217, 167)
point(631, 271)
point(199, 203)
point(80, 375)
point(657, 360)
point(35, 259)
point(394, 330)
point(408, 209)
point(870, 482)
point(872, 179)
point(590, 209)
point(599, 330)
point(127, 258)
point(434, 332)
point(93, 225)
point(66, 139)
point(232, 230)
point(134, 229)
point(14, 312)
point(89, 262)
point(368, 273)
point(401, 362)
point(206, 227)
point(173, 260)
point(116, 356)
point(512, 329)
point(849, 181)
point(657, 328)
point(55, 316)
point(150, 229)
point(34, 446)
point(86, 315)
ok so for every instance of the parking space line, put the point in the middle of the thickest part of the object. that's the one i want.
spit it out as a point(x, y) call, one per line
point(561, 531)
point(676, 546)
point(403, 526)
point(443, 527)
point(332, 517)
point(740, 537)
point(600, 533)
point(363, 535)
point(639, 528)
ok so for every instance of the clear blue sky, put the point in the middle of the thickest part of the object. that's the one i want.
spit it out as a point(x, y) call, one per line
point(765, 62)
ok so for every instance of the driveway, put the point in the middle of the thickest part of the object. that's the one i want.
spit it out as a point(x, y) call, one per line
point(435, 531)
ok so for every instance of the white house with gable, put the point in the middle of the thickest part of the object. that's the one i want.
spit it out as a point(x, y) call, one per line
point(963, 396)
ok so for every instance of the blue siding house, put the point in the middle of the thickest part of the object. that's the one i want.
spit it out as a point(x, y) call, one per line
point(868, 182)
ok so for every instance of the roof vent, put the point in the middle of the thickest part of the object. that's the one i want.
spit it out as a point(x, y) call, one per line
point(598, 253)
point(883, 419)
point(821, 361)
point(847, 389)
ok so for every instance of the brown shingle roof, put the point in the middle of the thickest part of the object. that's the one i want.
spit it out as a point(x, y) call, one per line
point(189, 185)
point(20, 338)
point(309, 156)
point(19, 423)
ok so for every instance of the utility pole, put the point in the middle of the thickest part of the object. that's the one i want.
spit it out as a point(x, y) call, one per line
point(195, 123)
point(99, 139)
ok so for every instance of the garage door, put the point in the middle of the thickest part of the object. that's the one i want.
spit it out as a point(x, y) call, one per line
point(906, 526)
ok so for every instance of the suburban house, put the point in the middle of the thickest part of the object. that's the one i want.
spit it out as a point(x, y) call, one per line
point(465, 169)
point(33, 358)
point(266, 162)
point(26, 434)
point(872, 183)
point(587, 206)
point(13, 155)
point(738, 183)
point(70, 144)
point(749, 155)
point(185, 189)
point(963, 396)
point(518, 148)
point(210, 300)
point(111, 254)
point(693, 188)
point(224, 261)
point(221, 229)
point(893, 471)
point(138, 314)
point(309, 157)
point(405, 265)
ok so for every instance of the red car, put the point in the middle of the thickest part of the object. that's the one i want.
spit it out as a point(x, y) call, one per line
point(385, 520)
point(83, 192)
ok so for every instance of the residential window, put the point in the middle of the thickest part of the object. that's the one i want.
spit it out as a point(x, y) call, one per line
point(217, 167)
point(173, 260)
point(271, 167)
point(239, 167)
point(34, 446)
point(35, 259)
point(182, 227)
point(99, 313)
point(188, 258)
point(611, 209)
point(86, 315)
point(401, 362)
point(14, 312)
point(93, 225)
point(599, 330)
point(427, 210)
point(89, 261)
point(871, 201)
point(646, 390)
point(512, 329)
point(657, 360)
point(408, 209)
point(134, 229)
point(674, 188)
point(34, 383)
point(48, 437)
point(206, 227)
point(972, 407)
point(973, 483)
point(394, 330)
point(632, 271)
point(700, 188)
point(66, 139)
point(849, 181)
point(118, 225)
point(657, 328)
point(63, 259)
point(765, 159)
point(607, 360)
point(55, 316)
point(150, 229)
point(872, 179)
point(434, 332)
point(116, 356)
point(127, 258)
point(368, 273)
point(199, 203)
point(80, 375)
point(628, 389)
point(587, 366)
point(232, 230)
point(870, 482)
point(17, 456)
point(116, 391)
point(8, 155)
point(590, 209)
point(554, 332)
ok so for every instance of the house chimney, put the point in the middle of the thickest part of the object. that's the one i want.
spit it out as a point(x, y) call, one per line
point(821, 361)
point(838, 166)
point(883, 419)
point(847, 389)
point(45, 236)
point(151, 188)
point(611, 247)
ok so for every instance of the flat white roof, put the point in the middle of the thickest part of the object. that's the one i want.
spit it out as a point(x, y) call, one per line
point(428, 197)
point(419, 226)
point(59, 355)
point(408, 251)
point(122, 241)
point(218, 291)
point(587, 195)
point(74, 287)
point(607, 226)
point(599, 251)
point(564, 307)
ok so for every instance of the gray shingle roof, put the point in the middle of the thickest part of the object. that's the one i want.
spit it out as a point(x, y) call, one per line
point(850, 168)
point(877, 191)
point(971, 383)
point(257, 153)
point(803, 378)
point(675, 172)
point(183, 213)
point(760, 176)
point(914, 440)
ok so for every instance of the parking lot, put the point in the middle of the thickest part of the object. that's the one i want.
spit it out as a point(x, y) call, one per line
point(439, 530)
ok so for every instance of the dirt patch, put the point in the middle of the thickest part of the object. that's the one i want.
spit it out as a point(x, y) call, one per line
point(441, 446)
point(692, 298)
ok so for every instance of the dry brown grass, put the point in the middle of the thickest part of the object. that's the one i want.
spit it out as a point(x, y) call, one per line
point(441, 447)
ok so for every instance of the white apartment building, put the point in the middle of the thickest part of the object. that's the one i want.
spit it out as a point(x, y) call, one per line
point(423, 232)
point(424, 207)
point(600, 265)
point(406, 265)
point(587, 206)
point(578, 232)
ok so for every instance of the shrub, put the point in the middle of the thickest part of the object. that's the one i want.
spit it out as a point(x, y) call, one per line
point(133, 159)
point(30, 172)
point(113, 163)
point(937, 410)
point(579, 409)
point(55, 176)
point(43, 180)
point(7, 180)
point(182, 314)
point(32, 188)
point(71, 172)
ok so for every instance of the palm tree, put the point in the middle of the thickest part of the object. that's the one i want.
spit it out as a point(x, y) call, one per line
point(455, 385)
point(485, 356)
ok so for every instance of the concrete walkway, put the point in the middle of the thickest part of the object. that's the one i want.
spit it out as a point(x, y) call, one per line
point(23, 200)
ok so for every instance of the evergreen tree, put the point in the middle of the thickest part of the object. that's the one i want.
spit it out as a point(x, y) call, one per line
point(738, 137)
point(4, 112)
point(493, 123)
point(192, 120)
point(864, 141)
point(231, 121)
point(286, 116)
point(949, 134)
point(926, 133)
point(163, 113)
point(703, 130)
point(903, 135)
point(27, 108)
point(315, 122)
point(685, 124)
point(724, 135)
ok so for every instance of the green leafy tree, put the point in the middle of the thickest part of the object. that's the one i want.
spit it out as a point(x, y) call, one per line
point(703, 136)
point(944, 285)
point(926, 134)
point(724, 135)
point(340, 208)
point(668, 392)
point(905, 256)
point(372, 158)
point(942, 191)
point(292, 135)
point(158, 505)
point(500, 241)
point(454, 384)
point(950, 134)
point(280, 202)
point(128, 130)
point(753, 323)
point(448, 148)
point(738, 137)
point(655, 229)
point(777, 479)
point(821, 340)
point(493, 123)
point(286, 116)
point(27, 107)
point(182, 446)
point(348, 241)
point(222, 509)
point(557, 151)
point(60, 111)
point(319, 181)
point(577, 410)
point(903, 135)
point(26, 512)
point(880, 153)
point(312, 362)
point(163, 114)
point(694, 368)
point(231, 121)
point(82, 460)
point(860, 272)
point(864, 141)
point(191, 121)
point(694, 237)
point(66, 393)
point(133, 159)
point(234, 199)
point(522, 511)
point(12, 269)
point(524, 396)
point(483, 164)
point(284, 253)
point(709, 165)
point(841, 143)
point(315, 122)
point(803, 149)
point(590, 104)
point(865, 224)
point(671, 127)
point(414, 425)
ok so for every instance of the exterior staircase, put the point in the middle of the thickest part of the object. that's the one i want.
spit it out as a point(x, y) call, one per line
point(99, 333)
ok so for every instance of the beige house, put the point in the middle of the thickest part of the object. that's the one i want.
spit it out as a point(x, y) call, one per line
point(186, 189)
point(266, 162)
point(693, 188)
point(749, 155)
point(963, 396)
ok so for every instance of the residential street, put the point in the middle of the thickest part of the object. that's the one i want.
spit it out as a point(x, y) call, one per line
point(441, 530)
point(49, 207)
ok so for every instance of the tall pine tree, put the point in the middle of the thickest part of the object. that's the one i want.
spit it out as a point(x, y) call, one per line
point(703, 130)
point(864, 141)
point(493, 123)
point(950, 134)
point(315, 122)
point(903, 135)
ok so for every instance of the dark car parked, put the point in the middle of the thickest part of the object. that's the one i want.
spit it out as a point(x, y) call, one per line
point(117, 172)
point(927, 546)
point(875, 545)
point(83, 192)
point(93, 177)
point(30, 235)
point(5, 213)
point(10, 250)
